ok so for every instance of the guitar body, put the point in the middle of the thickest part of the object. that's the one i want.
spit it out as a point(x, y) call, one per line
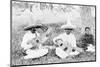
point(39, 40)
point(66, 47)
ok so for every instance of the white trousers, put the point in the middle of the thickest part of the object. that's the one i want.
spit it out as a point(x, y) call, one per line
point(35, 53)
point(91, 48)
point(62, 54)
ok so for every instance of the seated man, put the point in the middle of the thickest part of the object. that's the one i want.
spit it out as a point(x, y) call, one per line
point(88, 41)
point(67, 43)
point(31, 43)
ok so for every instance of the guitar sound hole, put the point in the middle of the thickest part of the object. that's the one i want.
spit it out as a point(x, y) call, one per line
point(65, 48)
point(73, 50)
point(61, 44)
point(37, 41)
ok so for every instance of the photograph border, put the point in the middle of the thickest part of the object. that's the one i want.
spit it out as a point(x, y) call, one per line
point(51, 3)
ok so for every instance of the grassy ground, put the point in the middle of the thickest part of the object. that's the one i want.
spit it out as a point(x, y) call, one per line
point(50, 58)
point(17, 53)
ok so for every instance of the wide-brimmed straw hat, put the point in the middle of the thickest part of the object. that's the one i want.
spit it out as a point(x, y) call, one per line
point(68, 26)
point(33, 27)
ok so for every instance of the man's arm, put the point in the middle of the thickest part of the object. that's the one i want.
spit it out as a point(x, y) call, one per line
point(73, 41)
point(25, 42)
point(55, 38)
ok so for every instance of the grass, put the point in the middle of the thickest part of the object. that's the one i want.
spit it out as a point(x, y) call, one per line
point(17, 53)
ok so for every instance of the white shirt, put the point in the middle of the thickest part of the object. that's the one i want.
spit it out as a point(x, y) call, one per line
point(67, 39)
point(26, 38)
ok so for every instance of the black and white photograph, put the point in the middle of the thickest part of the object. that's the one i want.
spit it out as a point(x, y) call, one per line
point(52, 33)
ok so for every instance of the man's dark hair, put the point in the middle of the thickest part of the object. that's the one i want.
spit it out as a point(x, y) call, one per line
point(87, 28)
point(68, 29)
point(33, 30)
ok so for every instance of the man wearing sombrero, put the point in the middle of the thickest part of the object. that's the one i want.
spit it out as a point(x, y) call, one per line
point(67, 47)
point(31, 43)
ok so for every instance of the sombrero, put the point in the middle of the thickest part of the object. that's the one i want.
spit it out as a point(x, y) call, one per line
point(37, 26)
point(33, 27)
point(68, 26)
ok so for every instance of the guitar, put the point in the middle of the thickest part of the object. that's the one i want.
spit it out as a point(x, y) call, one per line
point(65, 46)
point(38, 40)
